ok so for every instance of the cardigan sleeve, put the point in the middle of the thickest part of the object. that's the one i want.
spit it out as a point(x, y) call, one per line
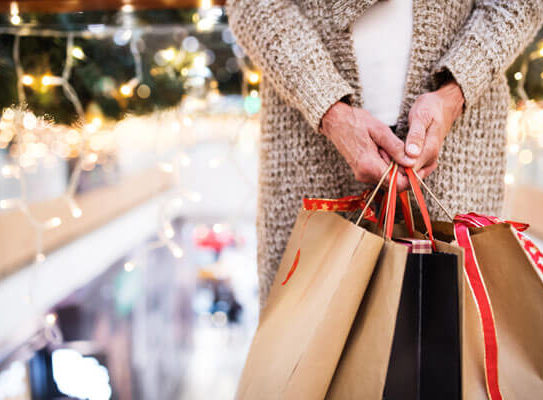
point(281, 41)
point(493, 35)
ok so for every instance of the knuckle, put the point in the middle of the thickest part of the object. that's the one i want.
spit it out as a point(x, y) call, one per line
point(360, 172)
point(397, 147)
point(424, 114)
point(417, 134)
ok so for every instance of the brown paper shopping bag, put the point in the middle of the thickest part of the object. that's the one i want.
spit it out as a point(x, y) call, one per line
point(305, 323)
point(503, 340)
point(421, 368)
point(361, 372)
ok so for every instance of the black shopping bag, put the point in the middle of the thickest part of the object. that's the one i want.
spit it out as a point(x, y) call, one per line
point(425, 358)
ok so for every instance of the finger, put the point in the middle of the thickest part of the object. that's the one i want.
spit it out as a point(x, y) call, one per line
point(426, 171)
point(403, 183)
point(385, 156)
point(416, 135)
point(371, 168)
point(377, 168)
point(430, 151)
point(391, 144)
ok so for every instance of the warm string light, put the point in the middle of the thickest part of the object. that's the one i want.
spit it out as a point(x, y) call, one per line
point(15, 19)
point(166, 232)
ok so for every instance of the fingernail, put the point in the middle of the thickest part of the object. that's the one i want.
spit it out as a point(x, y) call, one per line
point(409, 160)
point(413, 149)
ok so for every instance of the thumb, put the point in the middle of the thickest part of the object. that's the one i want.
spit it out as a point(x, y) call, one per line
point(415, 138)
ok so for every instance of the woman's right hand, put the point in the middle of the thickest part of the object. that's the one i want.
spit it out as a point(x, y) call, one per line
point(361, 139)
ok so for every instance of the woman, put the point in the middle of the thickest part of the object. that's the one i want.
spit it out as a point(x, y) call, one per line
point(337, 73)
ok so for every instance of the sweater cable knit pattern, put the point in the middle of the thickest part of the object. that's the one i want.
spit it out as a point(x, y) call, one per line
point(304, 50)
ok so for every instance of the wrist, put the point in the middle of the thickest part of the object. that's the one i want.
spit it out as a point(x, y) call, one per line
point(452, 95)
point(335, 113)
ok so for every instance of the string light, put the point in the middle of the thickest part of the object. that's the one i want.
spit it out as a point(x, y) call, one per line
point(126, 90)
point(27, 80)
point(206, 4)
point(127, 8)
point(253, 77)
point(509, 178)
point(129, 266)
point(51, 319)
point(77, 52)
point(166, 232)
point(53, 223)
point(169, 232)
point(14, 11)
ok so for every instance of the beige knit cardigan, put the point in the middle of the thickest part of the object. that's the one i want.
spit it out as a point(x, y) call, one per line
point(304, 49)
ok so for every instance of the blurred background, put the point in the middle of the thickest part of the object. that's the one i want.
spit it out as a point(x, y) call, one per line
point(128, 159)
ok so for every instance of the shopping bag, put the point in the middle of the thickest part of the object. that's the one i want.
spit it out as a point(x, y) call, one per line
point(305, 322)
point(503, 331)
point(404, 343)
point(502, 312)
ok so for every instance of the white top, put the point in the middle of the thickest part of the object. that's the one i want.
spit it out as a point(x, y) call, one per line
point(382, 43)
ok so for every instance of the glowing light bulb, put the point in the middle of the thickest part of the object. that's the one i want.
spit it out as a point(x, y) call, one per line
point(169, 232)
point(51, 319)
point(8, 203)
point(77, 52)
point(218, 228)
point(168, 54)
point(509, 178)
point(27, 80)
point(514, 148)
point(129, 266)
point(518, 76)
point(127, 8)
point(9, 171)
point(14, 8)
point(49, 80)
point(15, 19)
point(253, 77)
point(74, 208)
point(205, 4)
point(30, 121)
point(97, 121)
point(46, 80)
point(53, 223)
point(176, 251)
point(126, 90)
point(77, 213)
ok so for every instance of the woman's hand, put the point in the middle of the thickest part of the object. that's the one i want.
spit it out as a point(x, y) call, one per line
point(359, 137)
point(430, 120)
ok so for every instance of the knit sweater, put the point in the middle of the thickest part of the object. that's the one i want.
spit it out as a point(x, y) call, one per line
point(304, 50)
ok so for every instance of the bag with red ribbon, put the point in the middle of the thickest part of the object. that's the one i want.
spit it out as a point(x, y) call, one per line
point(337, 322)
point(502, 306)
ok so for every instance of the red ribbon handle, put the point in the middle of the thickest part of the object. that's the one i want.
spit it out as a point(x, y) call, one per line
point(420, 201)
point(482, 301)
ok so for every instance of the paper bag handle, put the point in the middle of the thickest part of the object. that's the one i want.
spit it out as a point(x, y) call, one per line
point(391, 203)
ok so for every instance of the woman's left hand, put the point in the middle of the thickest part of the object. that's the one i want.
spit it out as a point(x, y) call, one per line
point(430, 120)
